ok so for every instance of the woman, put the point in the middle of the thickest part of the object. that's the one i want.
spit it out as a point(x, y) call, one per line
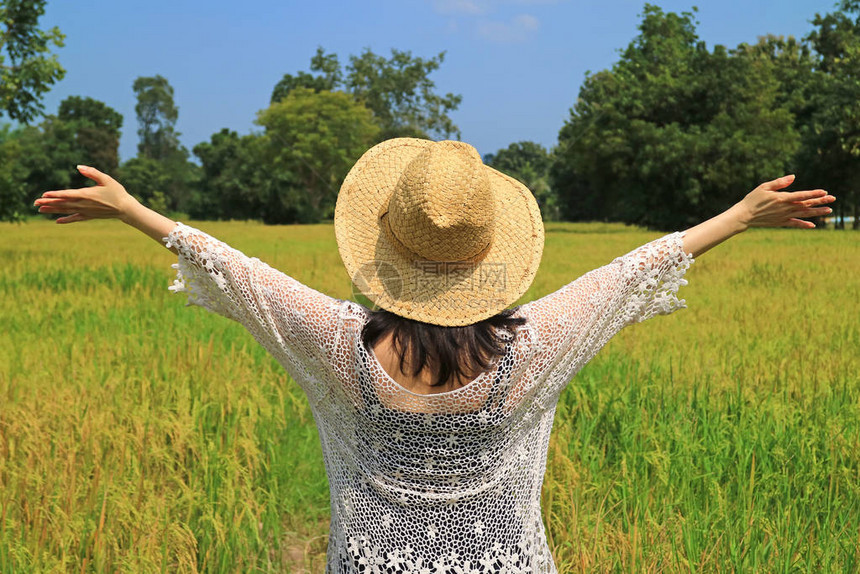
point(435, 411)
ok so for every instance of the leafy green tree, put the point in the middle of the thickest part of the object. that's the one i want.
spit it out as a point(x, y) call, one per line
point(159, 141)
point(833, 149)
point(233, 182)
point(398, 90)
point(44, 158)
point(96, 131)
point(90, 112)
point(311, 140)
point(13, 176)
point(84, 131)
point(147, 181)
point(673, 132)
point(36, 159)
point(51, 155)
point(27, 72)
point(793, 64)
point(27, 68)
point(529, 162)
point(401, 95)
point(329, 77)
point(156, 117)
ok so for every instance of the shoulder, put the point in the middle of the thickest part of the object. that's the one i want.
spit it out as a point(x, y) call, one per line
point(352, 315)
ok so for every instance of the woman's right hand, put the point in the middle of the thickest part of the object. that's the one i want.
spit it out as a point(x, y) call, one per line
point(106, 200)
point(766, 206)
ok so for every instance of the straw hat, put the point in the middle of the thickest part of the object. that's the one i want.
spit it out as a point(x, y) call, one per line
point(428, 232)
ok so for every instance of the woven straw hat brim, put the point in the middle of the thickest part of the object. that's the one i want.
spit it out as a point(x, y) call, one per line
point(441, 293)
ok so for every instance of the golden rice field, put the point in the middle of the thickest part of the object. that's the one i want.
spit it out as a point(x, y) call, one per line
point(140, 435)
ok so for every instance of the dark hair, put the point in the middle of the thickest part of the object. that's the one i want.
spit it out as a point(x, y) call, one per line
point(451, 352)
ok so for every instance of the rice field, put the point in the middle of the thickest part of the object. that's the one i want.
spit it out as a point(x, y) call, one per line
point(140, 435)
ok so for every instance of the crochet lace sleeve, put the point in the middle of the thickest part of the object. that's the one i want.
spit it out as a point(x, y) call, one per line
point(292, 321)
point(576, 321)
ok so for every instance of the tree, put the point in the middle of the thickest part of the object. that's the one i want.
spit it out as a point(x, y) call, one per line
point(13, 176)
point(27, 72)
point(329, 77)
point(51, 154)
point(793, 65)
point(397, 90)
point(156, 118)
point(147, 180)
point(41, 157)
point(159, 141)
point(833, 149)
point(233, 182)
point(89, 112)
point(673, 133)
point(528, 162)
point(27, 69)
point(401, 95)
point(311, 140)
point(96, 131)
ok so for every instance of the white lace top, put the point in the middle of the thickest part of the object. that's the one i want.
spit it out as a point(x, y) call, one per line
point(440, 483)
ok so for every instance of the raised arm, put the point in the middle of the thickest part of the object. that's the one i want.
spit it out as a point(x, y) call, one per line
point(298, 325)
point(576, 321)
point(765, 206)
point(108, 199)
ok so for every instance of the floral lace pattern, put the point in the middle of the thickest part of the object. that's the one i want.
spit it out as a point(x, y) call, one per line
point(368, 557)
point(439, 483)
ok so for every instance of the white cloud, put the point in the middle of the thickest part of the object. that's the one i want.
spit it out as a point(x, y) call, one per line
point(534, 2)
point(489, 25)
point(478, 7)
point(514, 31)
point(469, 7)
point(527, 22)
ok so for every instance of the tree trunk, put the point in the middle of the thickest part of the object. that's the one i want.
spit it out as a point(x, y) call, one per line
point(855, 225)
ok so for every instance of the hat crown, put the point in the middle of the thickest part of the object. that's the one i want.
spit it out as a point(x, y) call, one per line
point(443, 208)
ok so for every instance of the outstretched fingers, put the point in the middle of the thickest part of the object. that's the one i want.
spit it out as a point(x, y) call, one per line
point(799, 223)
point(812, 195)
point(63, 200)
point(779, 183)
point(811, 203)
point(813, 212)
point(64, 194)
point(73, 218)
point(94, 174)
point(770, 207)
point(56, 205)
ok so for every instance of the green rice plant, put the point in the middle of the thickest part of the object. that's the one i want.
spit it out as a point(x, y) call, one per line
point(138, 435)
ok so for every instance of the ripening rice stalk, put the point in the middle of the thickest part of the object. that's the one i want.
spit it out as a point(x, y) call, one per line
point(137, 435)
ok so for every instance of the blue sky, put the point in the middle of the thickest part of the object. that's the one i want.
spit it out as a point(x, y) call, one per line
point(517, 63)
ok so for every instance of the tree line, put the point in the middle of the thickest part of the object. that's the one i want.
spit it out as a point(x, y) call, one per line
point(670, 135)
point(674, 131)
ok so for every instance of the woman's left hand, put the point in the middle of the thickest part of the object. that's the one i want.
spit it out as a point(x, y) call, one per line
point(106, 200)
point(766, 206)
